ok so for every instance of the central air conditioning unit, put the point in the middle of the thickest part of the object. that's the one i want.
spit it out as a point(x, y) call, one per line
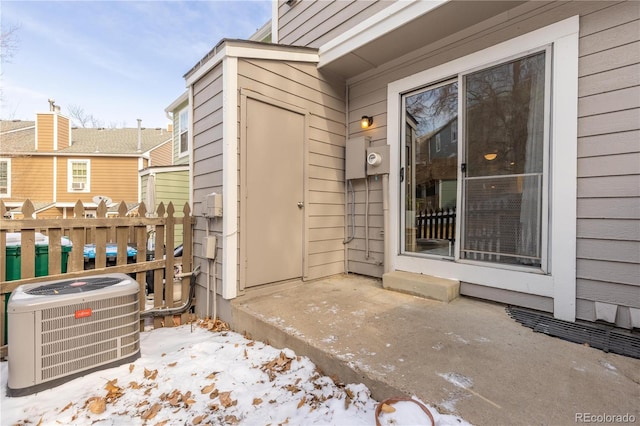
point(64, 329)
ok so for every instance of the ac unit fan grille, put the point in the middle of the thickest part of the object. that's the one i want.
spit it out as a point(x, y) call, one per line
point(57, 346)
point(71, 344)
point(81, 285)
point(68, 322)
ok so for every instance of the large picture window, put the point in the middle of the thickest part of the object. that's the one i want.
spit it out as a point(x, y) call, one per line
point(514, 218)
point(500, 158)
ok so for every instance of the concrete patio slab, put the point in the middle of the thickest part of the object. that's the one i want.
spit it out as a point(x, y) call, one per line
point(466, 357)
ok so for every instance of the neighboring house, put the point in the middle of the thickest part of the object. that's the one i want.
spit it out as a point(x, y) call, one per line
point(543, 99)
point(54, 165)
point(169, 182)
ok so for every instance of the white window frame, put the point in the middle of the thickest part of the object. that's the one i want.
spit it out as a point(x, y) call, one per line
point(87, 186)
point(8, 161)
point(183, 129)
point(559, 282)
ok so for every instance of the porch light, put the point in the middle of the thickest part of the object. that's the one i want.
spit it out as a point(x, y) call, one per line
point(490, 156)
point(366, 122)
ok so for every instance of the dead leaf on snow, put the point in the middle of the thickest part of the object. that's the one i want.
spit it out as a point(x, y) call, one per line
point(151, 412)
point(213, 394)
point(162, 423)
point(173, 364)
point(198, 420)
point(225, 399)
point(251, 343)
point(39, 422)
point(131, 367)
point(231, 420)
point(67, 407)
point(212, 375)
point(208, 388)
point(257, 401)
point(386, 408)
point(134, 385)
point(302, 401)
point(292, 388)
point(97, 405)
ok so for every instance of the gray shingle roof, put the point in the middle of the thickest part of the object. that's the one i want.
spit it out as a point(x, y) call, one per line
point(17, 136)
point(115, 141)
point(20, 137)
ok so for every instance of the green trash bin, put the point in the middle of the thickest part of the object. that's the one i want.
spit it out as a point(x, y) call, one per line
point(13, 262)
point(13, 255)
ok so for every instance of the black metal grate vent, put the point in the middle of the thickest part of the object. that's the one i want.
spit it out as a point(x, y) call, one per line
point(600, 336)
point(80, 285)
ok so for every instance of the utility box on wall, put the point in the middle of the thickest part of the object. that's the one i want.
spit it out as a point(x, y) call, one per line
point(378, 160)
point(356, 158)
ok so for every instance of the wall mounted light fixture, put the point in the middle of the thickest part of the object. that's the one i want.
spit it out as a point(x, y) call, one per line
point(366, 122)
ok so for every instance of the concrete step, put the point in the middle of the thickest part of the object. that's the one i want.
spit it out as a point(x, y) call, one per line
point(428, 286)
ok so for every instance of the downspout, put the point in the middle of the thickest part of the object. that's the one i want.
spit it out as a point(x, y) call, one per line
point(346, 190)
point(385, 224)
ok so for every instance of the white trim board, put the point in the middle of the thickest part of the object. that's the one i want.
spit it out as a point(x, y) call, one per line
point(560, 283)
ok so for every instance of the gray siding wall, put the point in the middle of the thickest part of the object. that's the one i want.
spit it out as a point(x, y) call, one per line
point(608, 250)
point(609, 154)
point(207, 170)
point(314, 22)
point(303, 86)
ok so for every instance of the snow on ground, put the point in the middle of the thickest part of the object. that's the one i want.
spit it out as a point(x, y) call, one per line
point(188, 375)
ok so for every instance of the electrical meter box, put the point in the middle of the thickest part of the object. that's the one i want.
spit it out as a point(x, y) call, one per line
point(212, 205)
point(356, 158)
point(377, 160)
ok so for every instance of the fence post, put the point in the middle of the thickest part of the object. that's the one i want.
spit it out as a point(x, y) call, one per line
point(158, 273)
point(187, 259)
point(168, 286)
point(28, 244)
point(122, 237)
point(141, 246)
point(77, 234)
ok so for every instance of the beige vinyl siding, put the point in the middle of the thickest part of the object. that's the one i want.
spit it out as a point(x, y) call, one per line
point(162, 155)
point(31, 178)
point(312, 23)
point(207, 169)
point(302, 86)
point(44, 132)
point(63, 132)
point(114, 177)
point(608, 246)
point(367, 96)
point(52, 213)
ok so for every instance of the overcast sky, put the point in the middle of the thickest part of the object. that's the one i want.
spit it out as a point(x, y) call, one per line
point(118, 60)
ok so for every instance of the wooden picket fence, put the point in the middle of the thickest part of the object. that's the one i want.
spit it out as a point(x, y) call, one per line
point(437, 224)
point(99, 230)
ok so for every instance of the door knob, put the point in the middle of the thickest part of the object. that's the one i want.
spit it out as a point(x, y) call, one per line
point(300, 204)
